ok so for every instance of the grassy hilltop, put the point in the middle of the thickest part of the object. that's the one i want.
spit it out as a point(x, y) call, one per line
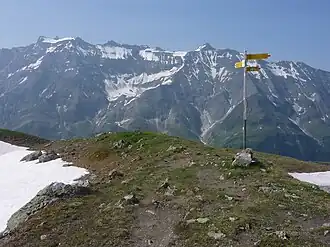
point(155, 190)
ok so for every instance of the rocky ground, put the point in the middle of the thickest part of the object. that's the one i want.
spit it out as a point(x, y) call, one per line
point(154, 190)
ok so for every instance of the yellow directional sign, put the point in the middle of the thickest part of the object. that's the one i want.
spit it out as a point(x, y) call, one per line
point(240, 64)
point(257, 56)
point(252, 68)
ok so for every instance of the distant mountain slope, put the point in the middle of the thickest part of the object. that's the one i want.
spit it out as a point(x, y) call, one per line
point(61, 88)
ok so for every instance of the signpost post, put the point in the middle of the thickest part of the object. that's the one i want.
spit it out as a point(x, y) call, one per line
point(243, 64)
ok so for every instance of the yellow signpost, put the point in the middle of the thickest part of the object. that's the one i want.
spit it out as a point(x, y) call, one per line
point(240, 64)
point(257, 56)
point(243, 64)
point(252, 68)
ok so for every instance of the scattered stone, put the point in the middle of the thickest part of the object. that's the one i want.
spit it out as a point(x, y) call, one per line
point(326, 225)
point(229, 198)
point(175, 149)
point(202, 220)
point(243, 158)
point(326, 232)
point(43, 237)
point(120, 144)
point(232, 219)
point(269, 228)
point(191, 163)
point(189, 193)
point(292, 196)
point(265, 189)
point(198, 220)
point(137, 158)
point(257, 243)
point(48, 156)
point(199, 197)
point(118, 204)
point(156, 203)
point(126, 181)
point(150, 212)
point(164, 185)
point(131, 199)
point(33, 156)
point(222, 177)
point(216, 235)
point(114, 173)
point(282, 235)
point(170, 191)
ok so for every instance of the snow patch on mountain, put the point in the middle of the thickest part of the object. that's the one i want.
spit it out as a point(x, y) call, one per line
point(54, 41)
point(34, 65)
point(121, 87)
point(23, 80)
point(152, 54)
point(145, 78)
point(291, 71)
point(114, 52)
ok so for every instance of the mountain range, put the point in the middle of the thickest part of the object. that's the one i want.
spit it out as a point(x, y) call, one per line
point(66, 87)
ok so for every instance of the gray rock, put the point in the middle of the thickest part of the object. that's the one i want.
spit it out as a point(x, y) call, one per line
point(131, 199)
point(216, 235)
point(198, 220)
point(164, 185)
point(175, 149)
point(121, 144)
point(115, 173)
point(33, 156)
point(244, 158)
point(67, 165)
point(48, 156)
point(43, 237)
point(46, 196)
point(282, 235)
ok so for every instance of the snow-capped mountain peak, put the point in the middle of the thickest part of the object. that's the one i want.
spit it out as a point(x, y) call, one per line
point(60, 87)
point(205, 47)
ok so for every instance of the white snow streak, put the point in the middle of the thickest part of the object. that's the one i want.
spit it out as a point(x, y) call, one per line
point(36, 64)
point(23, 80)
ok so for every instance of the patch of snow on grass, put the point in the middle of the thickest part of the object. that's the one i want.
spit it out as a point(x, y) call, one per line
point(21, 181)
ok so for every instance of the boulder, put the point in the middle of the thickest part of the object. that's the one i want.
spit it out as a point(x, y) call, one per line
point(33, 156)
point(48, 156)
point(244, 158)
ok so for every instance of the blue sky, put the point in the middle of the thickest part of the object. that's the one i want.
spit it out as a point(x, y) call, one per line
point(288, 29)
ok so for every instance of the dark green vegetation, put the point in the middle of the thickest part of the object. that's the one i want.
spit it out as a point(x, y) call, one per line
point(20, 139)
point(177, 181)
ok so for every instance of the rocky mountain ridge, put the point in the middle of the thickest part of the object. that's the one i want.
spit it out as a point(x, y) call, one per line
point(66, 87)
